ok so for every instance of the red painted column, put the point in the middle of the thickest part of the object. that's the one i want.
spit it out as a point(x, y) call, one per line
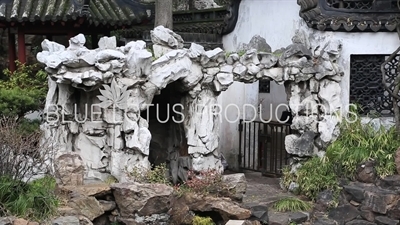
point(12, 56)
point(21, 46)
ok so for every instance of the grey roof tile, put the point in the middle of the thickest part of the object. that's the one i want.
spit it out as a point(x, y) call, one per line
point(112, 12)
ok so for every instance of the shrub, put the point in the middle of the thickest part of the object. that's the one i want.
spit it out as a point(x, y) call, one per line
point(357, 143)
point(157, 175)
point(197, 220)
point(21, 155)
point(23, 90)
point(291, 204)
point(314, 176)
point(21, 158)
point(34, 200)
point(204, 183)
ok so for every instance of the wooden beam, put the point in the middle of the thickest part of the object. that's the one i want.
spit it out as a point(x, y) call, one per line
point(21, 46)
point(95, 40)
point(49, 37)
point(71, 34)
point(11, 51)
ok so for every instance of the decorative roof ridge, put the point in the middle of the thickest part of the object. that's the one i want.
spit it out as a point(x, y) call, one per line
point(320, 15)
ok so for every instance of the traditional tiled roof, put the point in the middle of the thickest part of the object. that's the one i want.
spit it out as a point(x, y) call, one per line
point(97, 12)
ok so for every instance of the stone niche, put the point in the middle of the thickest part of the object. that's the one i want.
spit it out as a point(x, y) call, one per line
point(119, 109)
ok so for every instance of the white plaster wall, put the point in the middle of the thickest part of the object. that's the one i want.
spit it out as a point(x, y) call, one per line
point(277, 21)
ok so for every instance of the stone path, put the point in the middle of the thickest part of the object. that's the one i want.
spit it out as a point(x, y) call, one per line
point(265, 191)
point(261, 190)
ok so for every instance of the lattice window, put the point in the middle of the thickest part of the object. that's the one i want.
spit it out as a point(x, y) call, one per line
point(264, 86)
point(366, 88)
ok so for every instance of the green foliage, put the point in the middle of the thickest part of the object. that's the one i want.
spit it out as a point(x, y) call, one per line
point(357, 144)
point(313, 176)
point(35, 200)
point(23, 90)
point(291, 204)
point(360, 143)
point(198, 220)
point(241, 52)
point(158, 175)
point(28, 127)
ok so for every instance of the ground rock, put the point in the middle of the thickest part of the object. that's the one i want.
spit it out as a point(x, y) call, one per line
point(359, 222)
point(66, 220)
point(20, 221)
point(97, 190)
point(144, 199)
point(87, 206)
point(225, 207)
point(236, 185)
point(397, 160)
point(366, 173)
point(383, 220)
point(344, 213)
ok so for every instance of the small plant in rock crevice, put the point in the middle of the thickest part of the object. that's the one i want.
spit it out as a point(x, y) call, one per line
point(198, 220)
point(157, 175)
point(203, 182)
point(291, 204)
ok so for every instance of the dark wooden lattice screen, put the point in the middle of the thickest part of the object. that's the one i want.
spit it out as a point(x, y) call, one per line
point(264, 86)
point(366, 88)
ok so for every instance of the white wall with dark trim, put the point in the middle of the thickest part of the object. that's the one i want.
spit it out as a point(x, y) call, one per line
point(277, 22)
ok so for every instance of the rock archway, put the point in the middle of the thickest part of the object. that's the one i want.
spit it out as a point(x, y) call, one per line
point(112, 87)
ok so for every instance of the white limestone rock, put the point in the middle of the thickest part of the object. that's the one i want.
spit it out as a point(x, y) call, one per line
point(250, 57)
point(226, 69)
point(160, 50)
point(194, 77)
point(275, 74)
point(268, 60)
point(195, 51)
point(138, 62)
point(77, 42)
point(166, 37)
point(94, 128)
point(112, 115)
point(214, 54)
point(240, 70)
point(302, 145)
point(108, 55)
point(328, 128)
point(305, 123)
point(314, 85)
point(252, 69)
point(91, 154)
point(225, 79)
point(202, 123)
point(89, 57)
point(139, 140)
point(51, 46)
point(108, 43)
point(170, 68)
point(124, 162)
point(232, 58)
point(206, 162)
point(212, 71)
point(329, 94)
